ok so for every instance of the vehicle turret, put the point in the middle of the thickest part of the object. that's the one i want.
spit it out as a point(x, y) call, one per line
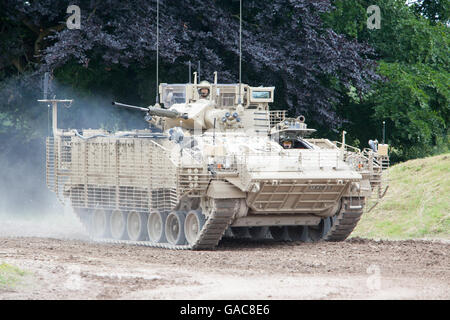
point(210, 106)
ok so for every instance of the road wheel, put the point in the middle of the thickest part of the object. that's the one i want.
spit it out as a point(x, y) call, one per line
point(118, 225)
point(155, 226)
point(298, 233)
point(99, 224)
point(240, 232)
point(137, 225)
point(317, 233)
point(175, 228)
point(193, 225)
point(279, 233)
point(258, 233)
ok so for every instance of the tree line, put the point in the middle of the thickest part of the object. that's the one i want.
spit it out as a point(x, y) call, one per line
point(323, 59)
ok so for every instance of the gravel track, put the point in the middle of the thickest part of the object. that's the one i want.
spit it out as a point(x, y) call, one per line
point(353, 269)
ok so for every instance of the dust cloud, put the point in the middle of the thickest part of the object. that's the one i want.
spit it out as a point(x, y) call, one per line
point(27, 207)
point(59, 224)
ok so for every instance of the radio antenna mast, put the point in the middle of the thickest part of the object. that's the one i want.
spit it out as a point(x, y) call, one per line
point(157, 51)
point(240, 50)
point(190, 81)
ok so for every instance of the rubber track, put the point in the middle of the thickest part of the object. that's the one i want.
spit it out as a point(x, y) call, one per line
point(223, 213)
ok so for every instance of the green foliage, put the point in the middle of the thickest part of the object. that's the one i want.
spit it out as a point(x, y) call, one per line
point(413, 97)
point(412, 50)
point(10, 276)
point(349, 17)
point(434, 10)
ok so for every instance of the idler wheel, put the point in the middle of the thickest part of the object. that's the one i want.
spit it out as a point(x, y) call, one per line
point(175, 228)
point(155, 226)
point(279, 233)
point(258, 233)
point(118, 225)
point(136, 225)
point(316, 233)
point(193, 224)
point(99, 224)
point(298, 233)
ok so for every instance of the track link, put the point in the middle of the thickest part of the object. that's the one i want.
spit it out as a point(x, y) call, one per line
point(212, 231)
point(222, 215)
point(343, 223)
point(214, 228)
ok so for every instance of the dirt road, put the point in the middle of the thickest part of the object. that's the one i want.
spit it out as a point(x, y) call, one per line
point(354, 269)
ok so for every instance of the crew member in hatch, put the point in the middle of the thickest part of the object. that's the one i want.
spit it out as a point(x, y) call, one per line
point(204, 93)
point(287, 144)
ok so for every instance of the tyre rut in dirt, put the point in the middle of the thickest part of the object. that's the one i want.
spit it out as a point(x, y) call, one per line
point(174, 228)
point(156, 226)
point(137, 226)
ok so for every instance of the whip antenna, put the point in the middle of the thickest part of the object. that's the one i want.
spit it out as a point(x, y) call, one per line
point(157, 51)
point(240, 50)
point(190, 81)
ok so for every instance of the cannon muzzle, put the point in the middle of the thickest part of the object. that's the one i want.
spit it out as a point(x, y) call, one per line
point(129, 106)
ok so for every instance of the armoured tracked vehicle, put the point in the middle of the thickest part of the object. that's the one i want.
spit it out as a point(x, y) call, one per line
point(215, 162)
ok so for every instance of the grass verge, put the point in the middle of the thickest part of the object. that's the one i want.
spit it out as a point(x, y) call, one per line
point(417, 204)
point(10, 276)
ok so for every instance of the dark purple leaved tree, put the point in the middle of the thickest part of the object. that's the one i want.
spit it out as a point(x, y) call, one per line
point(284, 42)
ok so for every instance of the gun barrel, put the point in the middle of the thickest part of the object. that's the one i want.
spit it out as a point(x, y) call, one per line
point(129, 106)
point(154, 111)
point(163, 112)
